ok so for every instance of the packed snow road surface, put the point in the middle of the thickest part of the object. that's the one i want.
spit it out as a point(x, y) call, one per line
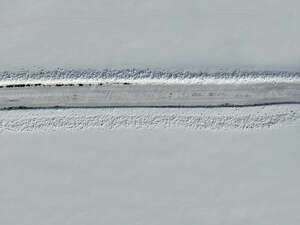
point(156, 95)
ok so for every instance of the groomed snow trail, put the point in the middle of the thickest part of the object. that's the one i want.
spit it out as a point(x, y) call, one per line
point(127, 95)
point(133, 87)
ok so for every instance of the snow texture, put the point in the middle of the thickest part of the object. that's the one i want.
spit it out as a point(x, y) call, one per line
point(136, 74)
point(140, 166)
point(144, 76)
point(218, 118)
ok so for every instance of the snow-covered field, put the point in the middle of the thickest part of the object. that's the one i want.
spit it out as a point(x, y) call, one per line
point(196, 34)
point(159, 176)
point(87, 134)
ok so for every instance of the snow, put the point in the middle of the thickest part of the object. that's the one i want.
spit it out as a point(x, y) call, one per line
point(202, 34)
point(148, 165)
point(160, 176)
point(215, 118)
point(145, 76)
point(148, 95)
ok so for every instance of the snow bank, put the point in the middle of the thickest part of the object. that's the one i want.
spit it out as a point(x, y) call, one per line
point(144, 76)
point(239, 118)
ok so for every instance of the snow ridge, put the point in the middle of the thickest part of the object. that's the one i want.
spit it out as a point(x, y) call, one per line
point(147, 75)
point(258, 117)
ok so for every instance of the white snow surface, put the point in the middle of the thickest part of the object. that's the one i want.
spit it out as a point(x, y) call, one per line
point(201, 34)
point(129, 176)
point(147, 165)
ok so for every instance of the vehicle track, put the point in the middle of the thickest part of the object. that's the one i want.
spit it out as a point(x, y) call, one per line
point(127, 94)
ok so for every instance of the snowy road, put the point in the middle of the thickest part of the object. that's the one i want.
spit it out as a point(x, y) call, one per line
point(126, 95)
point(105, 157)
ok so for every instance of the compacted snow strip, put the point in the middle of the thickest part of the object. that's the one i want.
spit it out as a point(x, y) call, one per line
point(44, 120)
point(145, 87)
point(160, 94)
